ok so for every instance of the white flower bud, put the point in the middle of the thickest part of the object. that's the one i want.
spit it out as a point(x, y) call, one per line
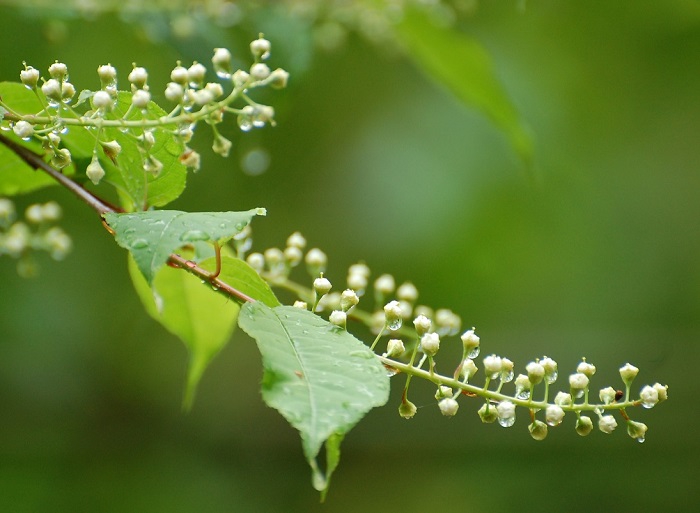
point(607, 424)
point(102, 100)
point(259, 71)
point(107, 74)
point(140, 99)
point(58, 71)
point(563, 399)
point(442, 392)
point(430, 343)
point(393, 315)
point(138, 77)
point(190, 159)
point(607, 395)
point(554, 415)
point(395, 348)
point(278, 79)
point(506, 413)
point(222, 60)
point(550, 369)
point(492, 366)
point(67, 91)
point(662, 391)
point(29, 77)
point(586, 368)
point(535, 372)
point(240, 77)
point(506, 370)
point(260, 48)
point(196, 74)
point(322, 286)
point(361, 269)
point(274, 257)
point(578, 381)
point(51, 211)
point(522, 386)
point(357, 281)
point(215, 89)
point(628, 372)
point(256, 261)
point(348, 298)
point(316, 260)
point(471, 342)
point(407, 291)
point(468, 369)
point(649, 396)
point(221, 145)
point(339, 318)
point(7, 210)
point(448, 407)
point(292, 256)
point(152, 165)
point(52, 89)
point(174, 92)
point(23, 129)
point(111, 149)
point(385, 284)
point(180, 75)
point(296, 240)
point(34, 214)
point(300, 304)
point(202, 96)
point(422, 325)
point(94, 171)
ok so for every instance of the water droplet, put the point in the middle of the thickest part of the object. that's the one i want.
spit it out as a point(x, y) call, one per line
point(194, 235)
point(648, 404)
point(473, 353)
point(391, 371)
point(507, 422)
point(139, 244)
point(223, 75)
point(551, 378)
point(395, 325)
point(245, 124)
point(522, 393)
point(577, 393)
point(640, 439)
point(507, 377)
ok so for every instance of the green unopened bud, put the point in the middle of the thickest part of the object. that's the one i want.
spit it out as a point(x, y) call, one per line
point(488, 413)
point(395, 348)
point(95, 172)
point(61, 158)
point(584, 426)
point(538, 430)
point(221, 145)
point(407, 409)
point(637, 430)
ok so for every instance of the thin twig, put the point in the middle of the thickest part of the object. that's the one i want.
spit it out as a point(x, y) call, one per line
point(101, 208)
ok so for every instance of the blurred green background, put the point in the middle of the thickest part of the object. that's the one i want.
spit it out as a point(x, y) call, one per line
point(599, 256)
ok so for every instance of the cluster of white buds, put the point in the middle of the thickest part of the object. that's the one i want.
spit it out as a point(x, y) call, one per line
point(36, 233)
point(196, 100)
point(431, 330)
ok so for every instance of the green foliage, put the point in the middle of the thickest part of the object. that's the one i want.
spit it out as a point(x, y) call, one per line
point(460, 63)
point(318, 376)
point(152, 236)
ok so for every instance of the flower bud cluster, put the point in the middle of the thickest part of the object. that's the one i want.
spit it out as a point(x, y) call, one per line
point(18, 238)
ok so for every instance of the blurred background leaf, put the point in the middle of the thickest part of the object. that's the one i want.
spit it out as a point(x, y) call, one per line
point(371, 161)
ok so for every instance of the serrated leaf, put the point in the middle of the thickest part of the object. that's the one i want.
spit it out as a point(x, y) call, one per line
point(203, 319)
point(318, 376)
point(152, 236)
point(461, 64)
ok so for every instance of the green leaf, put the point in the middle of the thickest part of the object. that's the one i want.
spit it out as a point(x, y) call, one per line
point(203, 319)
point(461, 64)
point(138, 189)
point(318, 376)
point(243, 277)
point(152, 236)
point(16, 176)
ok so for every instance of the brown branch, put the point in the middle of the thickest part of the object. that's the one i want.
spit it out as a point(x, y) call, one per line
point(101, 207)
